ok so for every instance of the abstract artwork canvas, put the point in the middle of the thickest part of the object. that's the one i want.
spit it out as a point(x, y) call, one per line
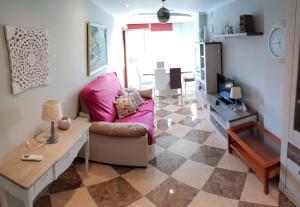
point(97, 48)
point(28, 56)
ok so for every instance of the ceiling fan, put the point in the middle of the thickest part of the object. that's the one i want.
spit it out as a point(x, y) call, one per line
point(164, 14)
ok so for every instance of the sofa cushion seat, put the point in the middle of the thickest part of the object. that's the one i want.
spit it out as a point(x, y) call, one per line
point(144, 115)
point(119, 129)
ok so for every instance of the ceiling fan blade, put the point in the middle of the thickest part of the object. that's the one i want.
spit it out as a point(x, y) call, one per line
point(147, 14)
point(180, 14)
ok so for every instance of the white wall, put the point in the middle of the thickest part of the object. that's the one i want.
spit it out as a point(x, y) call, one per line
point(65, 21)
point(247, 59)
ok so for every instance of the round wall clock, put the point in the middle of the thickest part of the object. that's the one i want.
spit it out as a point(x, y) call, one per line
point(277, 41)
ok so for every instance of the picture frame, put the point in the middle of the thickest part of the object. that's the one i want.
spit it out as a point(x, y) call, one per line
point(97, 47)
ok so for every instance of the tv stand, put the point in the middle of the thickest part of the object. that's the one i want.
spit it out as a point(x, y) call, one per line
point(226, 101)
point(221, 116)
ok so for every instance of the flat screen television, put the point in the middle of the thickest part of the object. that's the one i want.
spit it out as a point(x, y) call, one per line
point(224, 85)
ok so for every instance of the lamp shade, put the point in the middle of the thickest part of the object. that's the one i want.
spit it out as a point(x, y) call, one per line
point(235, 93)
point(51, 110)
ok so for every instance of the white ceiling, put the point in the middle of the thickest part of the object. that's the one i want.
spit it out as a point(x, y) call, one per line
point(129, 8)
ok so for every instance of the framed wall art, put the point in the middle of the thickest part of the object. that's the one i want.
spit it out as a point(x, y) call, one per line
point(97, 47)
point(28, 51)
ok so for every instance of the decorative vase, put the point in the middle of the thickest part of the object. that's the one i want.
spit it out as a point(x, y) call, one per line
point(64, 123)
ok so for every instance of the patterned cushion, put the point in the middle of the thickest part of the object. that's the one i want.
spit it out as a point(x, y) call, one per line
point(125, 106)
point(136, 97)
point(146, 93)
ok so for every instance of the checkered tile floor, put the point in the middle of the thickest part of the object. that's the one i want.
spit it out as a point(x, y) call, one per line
point(188, 166)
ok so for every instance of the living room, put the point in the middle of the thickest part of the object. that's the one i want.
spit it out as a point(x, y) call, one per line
point(168, 151)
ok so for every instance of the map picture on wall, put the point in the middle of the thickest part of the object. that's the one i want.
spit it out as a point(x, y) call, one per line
point(97, 48)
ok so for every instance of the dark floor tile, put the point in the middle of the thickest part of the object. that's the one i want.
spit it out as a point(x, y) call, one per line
point(167, 162)
point(122, 169)
point(163, 134)
point(190, 121)
point(160, 98)
point(181, 103)
point(166, 141)
point(117, 192)
point(197, 135)
point(247, 204)
point(184, 111)
point(172, 193)
point(43, 201)
point(162, 113)
point(208, 155)
point(67, 181)
point(164, 124)
point(226, 183)
point(78, 161)
point(283, 201)
point(161, 104)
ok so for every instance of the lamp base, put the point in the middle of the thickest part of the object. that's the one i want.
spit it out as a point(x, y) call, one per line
point(235, 108)
point(52, 140)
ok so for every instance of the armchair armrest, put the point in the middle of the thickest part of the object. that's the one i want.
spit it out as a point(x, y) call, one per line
point(119, 129)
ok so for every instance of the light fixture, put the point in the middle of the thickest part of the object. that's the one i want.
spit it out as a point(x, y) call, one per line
point(52, 112)
point(235, 93)
point(163, 14)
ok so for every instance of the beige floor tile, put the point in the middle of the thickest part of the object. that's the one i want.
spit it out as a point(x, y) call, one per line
point(169, 100)
point(143, 202)
point(204, 125)
point(200, 114)
point(215, 141)
point(193, 108)
point(233, 162)
point(172, 108)
point(179, 130)
point(184, 148)
point(193, 174)
point(204, 199)
point(157, 131)
point(73, 198)
point(98, 173)
point(175, 117)
point(154, 150)
point(253, 192)
point(145, 179)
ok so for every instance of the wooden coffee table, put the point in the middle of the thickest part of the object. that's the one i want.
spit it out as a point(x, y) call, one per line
point(258, 147)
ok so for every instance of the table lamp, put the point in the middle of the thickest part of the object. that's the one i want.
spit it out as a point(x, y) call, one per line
point(235, 93)
point(52, 112)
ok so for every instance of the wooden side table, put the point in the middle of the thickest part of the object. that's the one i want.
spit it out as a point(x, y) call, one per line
point(252, 143)
point(26, 179)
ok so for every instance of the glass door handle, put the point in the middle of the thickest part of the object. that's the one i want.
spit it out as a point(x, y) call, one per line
point(298, 101)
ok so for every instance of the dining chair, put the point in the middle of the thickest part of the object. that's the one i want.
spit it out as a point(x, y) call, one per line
point(160, 65)
point(160, 80)
point(175, 79)
point(186, 79)
point(143, 84)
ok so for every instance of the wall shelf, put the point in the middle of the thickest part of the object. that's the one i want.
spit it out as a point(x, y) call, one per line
point(239, 34)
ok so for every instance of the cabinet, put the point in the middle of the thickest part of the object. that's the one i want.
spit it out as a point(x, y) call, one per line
point(221, 117)
point(208, 62)
point(290, 150)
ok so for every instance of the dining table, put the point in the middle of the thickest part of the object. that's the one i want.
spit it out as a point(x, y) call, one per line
point(168, 90)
